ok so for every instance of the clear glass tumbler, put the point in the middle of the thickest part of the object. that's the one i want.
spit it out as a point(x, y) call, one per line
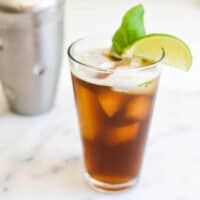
point(114, 108)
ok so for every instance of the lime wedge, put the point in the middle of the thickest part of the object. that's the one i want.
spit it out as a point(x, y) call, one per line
point(177, 53)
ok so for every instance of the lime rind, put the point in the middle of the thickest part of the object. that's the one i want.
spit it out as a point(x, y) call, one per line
point(177, 52)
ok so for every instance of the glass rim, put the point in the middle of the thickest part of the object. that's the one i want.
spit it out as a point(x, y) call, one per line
point(93, 67)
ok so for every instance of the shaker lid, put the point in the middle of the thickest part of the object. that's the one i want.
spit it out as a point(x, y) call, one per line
point(17, 6)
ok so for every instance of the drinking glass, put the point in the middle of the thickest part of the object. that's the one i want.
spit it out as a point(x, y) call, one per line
point(114, 107)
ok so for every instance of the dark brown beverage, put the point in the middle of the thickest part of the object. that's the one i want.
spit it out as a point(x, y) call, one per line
point(114, 127)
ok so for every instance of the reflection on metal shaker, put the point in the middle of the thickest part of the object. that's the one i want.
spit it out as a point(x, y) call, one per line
point(31, 44)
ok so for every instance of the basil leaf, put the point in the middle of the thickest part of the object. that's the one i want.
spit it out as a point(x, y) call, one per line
point(131, 29)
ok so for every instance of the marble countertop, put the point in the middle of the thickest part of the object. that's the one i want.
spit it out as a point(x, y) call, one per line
point(40, 157)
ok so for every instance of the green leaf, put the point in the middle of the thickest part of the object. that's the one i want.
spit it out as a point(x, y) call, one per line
point(131, 29)
point(146, 84)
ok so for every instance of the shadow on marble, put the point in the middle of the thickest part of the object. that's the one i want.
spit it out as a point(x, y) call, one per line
point(4, 111)
point(4, 108)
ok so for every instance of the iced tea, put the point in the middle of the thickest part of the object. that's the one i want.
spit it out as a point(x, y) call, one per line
point(114, 124)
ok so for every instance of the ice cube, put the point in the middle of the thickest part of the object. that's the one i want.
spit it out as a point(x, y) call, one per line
point(110, 101)
point(96, 58)
point(90, 113)
point(128, 78)
point(117, 135)
point(138, 108)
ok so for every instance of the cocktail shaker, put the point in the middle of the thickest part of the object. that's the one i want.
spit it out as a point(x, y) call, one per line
point(31, 43)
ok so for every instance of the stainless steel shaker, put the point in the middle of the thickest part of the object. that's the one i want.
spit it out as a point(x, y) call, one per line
point(31, 40)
